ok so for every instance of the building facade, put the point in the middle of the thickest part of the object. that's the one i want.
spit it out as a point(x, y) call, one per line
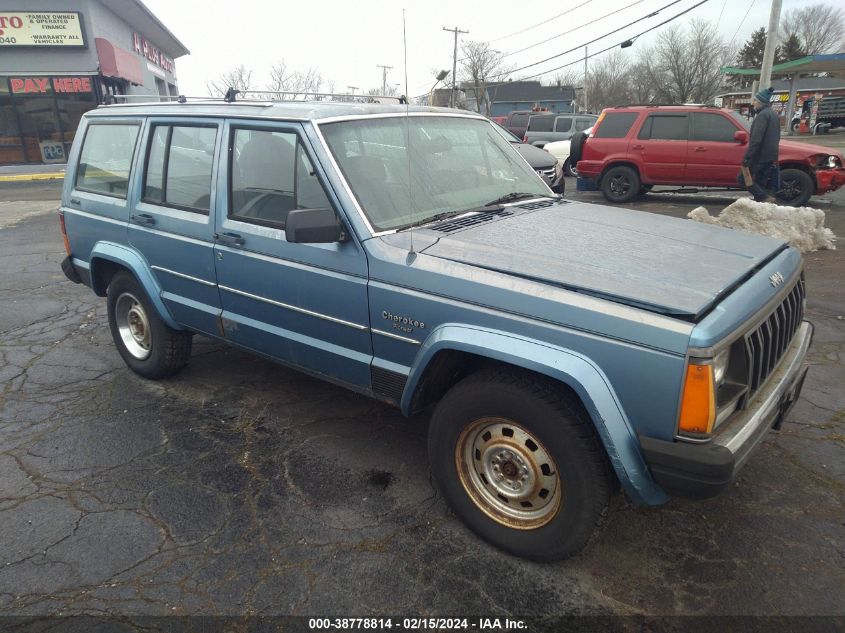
point(806, 88)
point(67, 57)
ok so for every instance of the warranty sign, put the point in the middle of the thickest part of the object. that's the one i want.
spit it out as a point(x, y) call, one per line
point(20, 28)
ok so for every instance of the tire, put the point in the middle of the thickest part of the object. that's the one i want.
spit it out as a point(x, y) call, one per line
point(620, 184)
point(568, 170)
point(147, 344)
point(796, 188)
point(576, 147)
point(469, 435)
point(795, 126)
point(644, 189)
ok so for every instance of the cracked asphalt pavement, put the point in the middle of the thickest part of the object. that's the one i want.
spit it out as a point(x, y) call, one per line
point(241, 487)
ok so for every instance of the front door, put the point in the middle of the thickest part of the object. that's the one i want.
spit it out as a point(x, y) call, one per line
point(661, 146)
point(172, 219)
point(713, 156)
point(302, 304)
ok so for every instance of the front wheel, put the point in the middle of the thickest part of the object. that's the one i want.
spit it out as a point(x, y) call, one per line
point(518, 460)
point(796, 188)
point(620, 184)
point(147, 344)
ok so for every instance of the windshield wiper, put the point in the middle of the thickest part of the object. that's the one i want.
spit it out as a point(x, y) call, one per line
point(516, 195)
point(432, 218)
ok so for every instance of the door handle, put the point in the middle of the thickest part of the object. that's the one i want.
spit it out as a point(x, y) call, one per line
point(230, 239)
point(637, 147)
point(75, 201)
point(700, 149)
point(144, 219)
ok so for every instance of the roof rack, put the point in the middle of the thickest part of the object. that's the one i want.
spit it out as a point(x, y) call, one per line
point(269, 96)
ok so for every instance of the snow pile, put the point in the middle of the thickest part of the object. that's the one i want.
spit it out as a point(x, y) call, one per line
point(802, 227)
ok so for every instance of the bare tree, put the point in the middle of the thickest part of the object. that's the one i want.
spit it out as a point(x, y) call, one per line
point(607, 81)
point(479, 64)
point(283, 79)
point(683, 65)
point(819, 27)
point(238, 78)
point(571, 76)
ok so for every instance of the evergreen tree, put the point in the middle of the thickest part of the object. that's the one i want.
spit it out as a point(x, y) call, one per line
point(750, 56)
point(790, 49)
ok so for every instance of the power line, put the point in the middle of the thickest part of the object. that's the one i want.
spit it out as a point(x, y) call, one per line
point(546, 21)
point(720, 14)
point(572, 30)
point(742, 22)
point(601, 37)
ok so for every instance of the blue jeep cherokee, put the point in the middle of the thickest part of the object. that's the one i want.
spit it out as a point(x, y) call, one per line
point(412, 255)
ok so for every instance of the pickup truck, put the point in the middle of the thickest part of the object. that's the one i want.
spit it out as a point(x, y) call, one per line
point(562, 350)
point(545, 128)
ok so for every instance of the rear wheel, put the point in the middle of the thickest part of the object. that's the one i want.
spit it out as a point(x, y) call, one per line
point(518, 460)
point(620, 184)
point(796, 187)
point(569, 170)
point(148, 346)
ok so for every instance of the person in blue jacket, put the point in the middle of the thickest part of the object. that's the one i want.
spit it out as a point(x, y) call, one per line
point(761, 157)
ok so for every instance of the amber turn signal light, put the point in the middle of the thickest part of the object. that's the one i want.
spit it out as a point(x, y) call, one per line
point(698, 406)
point(64, 231)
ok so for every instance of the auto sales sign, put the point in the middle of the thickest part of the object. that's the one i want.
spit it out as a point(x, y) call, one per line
point(41, 29)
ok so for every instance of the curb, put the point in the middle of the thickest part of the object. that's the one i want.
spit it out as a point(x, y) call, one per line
point(28, 177)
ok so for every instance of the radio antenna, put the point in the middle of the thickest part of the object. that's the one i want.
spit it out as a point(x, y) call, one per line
point(411, 253)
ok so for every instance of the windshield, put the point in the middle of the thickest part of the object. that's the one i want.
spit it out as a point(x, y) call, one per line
point(743, 120)
point(454, 164)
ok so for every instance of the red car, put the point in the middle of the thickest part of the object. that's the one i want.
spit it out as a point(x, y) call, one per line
point(632, 148)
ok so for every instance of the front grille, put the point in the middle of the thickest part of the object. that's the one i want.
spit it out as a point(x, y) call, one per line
point(548, 174)
point(765, 345)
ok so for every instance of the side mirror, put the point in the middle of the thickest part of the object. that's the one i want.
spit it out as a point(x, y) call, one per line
point(313, 226)
point(741, 137)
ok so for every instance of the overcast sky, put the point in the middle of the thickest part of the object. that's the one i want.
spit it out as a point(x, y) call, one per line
point(346, 40)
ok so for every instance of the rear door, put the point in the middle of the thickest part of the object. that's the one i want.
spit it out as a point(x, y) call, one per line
point(713, 155)
point(302, 304)
point(563, 127)
point(172, 220)
point(661, 147)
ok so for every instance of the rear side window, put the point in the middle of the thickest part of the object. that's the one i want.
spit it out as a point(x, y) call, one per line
point(179, 166)
point(709, 126)
point(541, 124)
point(665, 127)
point(616, 125)
point(583, 124)
point(106, 158)
point(563, 124)
point(271, 176)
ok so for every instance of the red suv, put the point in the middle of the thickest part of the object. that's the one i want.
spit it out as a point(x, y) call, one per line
point(632, 148)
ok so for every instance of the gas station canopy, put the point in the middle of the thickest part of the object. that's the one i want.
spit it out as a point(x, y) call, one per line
point(810, 64)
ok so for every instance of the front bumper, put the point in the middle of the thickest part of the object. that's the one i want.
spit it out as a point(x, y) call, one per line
point(703, 470)
point(829, 179)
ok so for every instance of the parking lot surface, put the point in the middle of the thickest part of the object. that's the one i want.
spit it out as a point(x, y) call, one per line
point(241, 487)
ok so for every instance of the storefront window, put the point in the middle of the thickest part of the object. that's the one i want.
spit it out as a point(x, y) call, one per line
point(39, 116)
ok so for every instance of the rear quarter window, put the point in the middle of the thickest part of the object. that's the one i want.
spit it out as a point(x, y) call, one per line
point(106, 158)
point(616, 124)
point(541, 124)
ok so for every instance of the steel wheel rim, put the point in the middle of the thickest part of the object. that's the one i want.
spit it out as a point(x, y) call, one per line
point(133, 326)
point(508, 473)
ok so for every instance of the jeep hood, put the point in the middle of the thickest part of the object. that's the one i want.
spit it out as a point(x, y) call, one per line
point(667, 265)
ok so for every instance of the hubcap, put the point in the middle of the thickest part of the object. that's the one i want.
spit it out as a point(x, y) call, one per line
point(133, 326)
point(508, 473)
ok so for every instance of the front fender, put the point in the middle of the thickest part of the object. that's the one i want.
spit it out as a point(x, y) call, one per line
point(573, 369)
point(137, 265)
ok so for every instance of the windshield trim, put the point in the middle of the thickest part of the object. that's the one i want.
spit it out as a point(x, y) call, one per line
point(396, 115)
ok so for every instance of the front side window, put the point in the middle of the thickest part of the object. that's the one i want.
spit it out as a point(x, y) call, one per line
point(709, 126)
point(665, 127)
point(106, 158)
point(408, 170)
point(180, 162)
point(563, 124)
point(271, 175)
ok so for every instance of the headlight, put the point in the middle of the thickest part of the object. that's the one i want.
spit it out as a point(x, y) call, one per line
point(833, 162)
point(720, 366)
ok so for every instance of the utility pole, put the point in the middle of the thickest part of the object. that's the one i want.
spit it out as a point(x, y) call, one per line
point(384, 70)
point(771, 44)
point(455, 30)
point(585, 80)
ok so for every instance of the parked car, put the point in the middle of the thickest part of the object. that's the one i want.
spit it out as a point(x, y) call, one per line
point(633, 148)
point(517, 121)
point(561, 151)
point(541, 161)
point(545, 128)
point(412, 256)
